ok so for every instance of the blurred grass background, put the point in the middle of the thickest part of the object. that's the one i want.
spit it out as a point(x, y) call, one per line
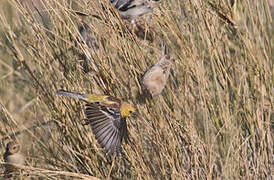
point(214, 120)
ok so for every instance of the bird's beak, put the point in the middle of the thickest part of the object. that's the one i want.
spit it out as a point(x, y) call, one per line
point(135, 114)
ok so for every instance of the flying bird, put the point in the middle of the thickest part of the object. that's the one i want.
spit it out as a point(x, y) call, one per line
point(155, 78)
point(107, 118)
point(12, 155)
point(132, 9)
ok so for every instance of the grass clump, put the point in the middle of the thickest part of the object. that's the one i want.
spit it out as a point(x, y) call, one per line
point(213, 120)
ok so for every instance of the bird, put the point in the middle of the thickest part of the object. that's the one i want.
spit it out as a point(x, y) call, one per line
point(107, 118)
point(132, 9)
point(12, 155)
point(155, 79)
point(144, 30)
point(88, 37)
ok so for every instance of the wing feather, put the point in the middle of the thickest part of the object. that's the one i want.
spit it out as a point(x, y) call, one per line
point(103, 133)
point(98, 127)
point(108, 140)
point(106, 126)
point(114, 143)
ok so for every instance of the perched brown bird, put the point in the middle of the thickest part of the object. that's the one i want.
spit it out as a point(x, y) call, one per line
point(88, 39)
point(13, 156)
point(155, 78)
point(107, 117)
point(143, 28)
point(88, 36)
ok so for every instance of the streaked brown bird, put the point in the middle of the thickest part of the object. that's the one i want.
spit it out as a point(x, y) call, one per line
point(12, 155)
point(143, 28)
point(107, 118)
point(88, 36)
point(156, 77)
point(88, 40)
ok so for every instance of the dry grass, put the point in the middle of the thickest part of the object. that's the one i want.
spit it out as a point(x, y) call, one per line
point(214, 120)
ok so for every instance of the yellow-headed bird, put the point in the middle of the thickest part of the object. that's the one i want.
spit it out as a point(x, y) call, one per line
point(107, 117)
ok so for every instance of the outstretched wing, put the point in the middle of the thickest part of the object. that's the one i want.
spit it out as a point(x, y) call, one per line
point(131, 9)
point(108, 127)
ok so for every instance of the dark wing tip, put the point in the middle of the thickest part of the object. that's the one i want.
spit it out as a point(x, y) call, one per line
point(61, 91)
point(165, 50)
point(105, 131)
point(108, 138)
point(81, 13)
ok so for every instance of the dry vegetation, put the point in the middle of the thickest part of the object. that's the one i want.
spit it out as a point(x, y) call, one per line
point(214, 120)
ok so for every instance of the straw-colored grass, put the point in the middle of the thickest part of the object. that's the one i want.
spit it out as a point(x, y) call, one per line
point(214, 119)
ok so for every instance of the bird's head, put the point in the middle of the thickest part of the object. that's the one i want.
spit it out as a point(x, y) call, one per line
point(12, 147)
point(127, 110)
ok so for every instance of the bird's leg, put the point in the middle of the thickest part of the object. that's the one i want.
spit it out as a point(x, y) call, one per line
point(85, 122)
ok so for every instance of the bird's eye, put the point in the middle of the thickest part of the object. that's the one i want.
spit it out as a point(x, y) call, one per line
point(130, 111)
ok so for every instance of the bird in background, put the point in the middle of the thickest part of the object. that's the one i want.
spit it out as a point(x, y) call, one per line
point(12, 155)
point(132, 9)
point(89, 39)
point(107, 118)
point(155, 78)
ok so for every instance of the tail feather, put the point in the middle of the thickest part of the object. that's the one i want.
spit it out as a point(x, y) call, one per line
point(71, 94)
point(165, 50)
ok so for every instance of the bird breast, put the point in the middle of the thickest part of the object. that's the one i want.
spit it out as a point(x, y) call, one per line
point(155, 80)
point(16, 159)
